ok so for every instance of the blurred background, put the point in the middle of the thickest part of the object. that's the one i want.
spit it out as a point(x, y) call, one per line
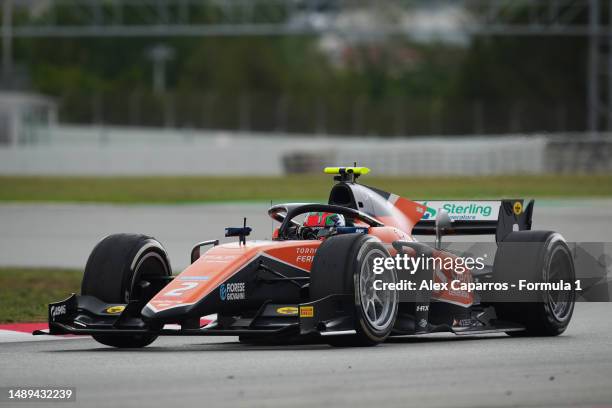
point(268, 87)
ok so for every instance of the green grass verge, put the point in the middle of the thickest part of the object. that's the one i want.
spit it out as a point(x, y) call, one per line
point(25, 293)
point(153, 190)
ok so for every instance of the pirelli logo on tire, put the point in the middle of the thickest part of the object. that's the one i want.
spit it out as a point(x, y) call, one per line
point(306, 311)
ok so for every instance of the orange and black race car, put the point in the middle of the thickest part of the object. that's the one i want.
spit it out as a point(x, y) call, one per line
point(329, 274)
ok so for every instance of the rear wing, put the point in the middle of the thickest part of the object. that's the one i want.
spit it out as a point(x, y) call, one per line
point(474, 217)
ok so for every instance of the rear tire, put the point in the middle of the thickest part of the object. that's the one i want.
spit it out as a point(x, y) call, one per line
point(343, 265)
point(547, 258)
point(113, 272)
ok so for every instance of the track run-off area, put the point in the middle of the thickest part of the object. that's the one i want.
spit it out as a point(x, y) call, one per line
point(63, 235)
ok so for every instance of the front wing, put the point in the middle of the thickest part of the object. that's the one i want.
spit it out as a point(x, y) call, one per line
point(87, 315)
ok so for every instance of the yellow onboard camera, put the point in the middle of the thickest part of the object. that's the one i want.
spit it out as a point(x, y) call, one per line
point(346, 174)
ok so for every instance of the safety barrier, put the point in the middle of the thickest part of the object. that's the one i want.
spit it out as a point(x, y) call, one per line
point(85, 150)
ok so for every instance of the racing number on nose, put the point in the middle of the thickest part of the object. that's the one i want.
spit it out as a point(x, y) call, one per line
point(185, 286)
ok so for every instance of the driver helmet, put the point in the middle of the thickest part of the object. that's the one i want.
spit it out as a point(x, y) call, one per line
point(324, 220)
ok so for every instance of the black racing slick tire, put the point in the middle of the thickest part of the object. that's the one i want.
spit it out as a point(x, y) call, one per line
point(537, 256)
point(344, 265)
point(114, 272)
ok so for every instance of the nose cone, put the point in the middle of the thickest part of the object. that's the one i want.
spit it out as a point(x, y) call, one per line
point(172, 314)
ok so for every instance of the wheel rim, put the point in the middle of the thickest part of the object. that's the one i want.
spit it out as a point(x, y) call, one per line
point(151, 264)
point(378, 306)
point(560, 302)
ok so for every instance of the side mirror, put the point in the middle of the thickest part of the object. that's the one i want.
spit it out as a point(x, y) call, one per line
point(196, 251)
point(443, 223)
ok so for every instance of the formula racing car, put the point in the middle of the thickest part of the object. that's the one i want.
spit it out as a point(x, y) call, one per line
point(315, 279)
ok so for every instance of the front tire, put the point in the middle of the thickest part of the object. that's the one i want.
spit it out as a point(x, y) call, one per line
point(114, 272)
point(344, 265)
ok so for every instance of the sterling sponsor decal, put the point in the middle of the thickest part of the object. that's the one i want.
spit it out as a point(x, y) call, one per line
point(233, 291)
point(430, 213)
point(463, 210)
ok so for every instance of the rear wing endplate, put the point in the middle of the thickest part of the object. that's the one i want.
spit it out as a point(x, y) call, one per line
point(475, 217)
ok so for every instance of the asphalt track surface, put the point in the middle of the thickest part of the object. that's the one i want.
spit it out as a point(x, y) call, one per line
point(63, 235)
point(434, 371)
point(574, 369)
